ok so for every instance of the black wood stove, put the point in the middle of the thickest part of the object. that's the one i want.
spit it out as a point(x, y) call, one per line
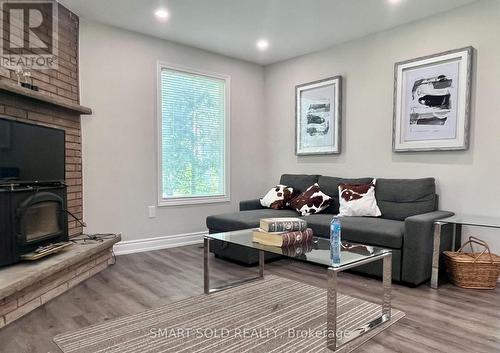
point(32, 188)
point(31, 215)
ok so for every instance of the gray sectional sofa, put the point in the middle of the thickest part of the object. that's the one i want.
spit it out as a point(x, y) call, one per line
point(408, 206)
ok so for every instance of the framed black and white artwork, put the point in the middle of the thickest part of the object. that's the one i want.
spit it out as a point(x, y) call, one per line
point(318, 107)
point(432, 102)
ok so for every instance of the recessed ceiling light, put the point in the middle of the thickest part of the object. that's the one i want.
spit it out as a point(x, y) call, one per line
point(162, 14)
point(262, 44)
point(394, 2)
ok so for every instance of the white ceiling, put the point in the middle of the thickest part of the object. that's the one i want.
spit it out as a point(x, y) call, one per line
point(232, 27)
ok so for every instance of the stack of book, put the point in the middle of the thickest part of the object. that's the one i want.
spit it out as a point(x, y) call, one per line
point(282, 232)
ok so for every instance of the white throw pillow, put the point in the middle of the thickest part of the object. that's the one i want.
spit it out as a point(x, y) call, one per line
point(358, 200)
point(278, 197)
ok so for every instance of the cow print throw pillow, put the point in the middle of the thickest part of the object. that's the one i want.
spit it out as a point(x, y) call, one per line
point(278, 197)
point(313, 200)
point(358, 200)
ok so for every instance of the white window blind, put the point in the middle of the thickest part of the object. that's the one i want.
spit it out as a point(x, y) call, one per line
point(192, 136)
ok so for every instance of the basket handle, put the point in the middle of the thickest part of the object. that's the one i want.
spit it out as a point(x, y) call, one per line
point(474, 240)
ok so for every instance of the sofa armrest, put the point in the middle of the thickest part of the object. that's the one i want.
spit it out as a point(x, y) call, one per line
point(247, 205)
point(418, 242)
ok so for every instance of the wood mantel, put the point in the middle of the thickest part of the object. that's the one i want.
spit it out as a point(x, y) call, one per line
point(13, 88)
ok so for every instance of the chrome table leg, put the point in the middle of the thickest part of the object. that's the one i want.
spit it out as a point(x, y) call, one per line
point(206, 265)
point(337, 339)
point(435, 254)
point(387, 286)
point(206, 271)
point(261, 263)
point(331, 310)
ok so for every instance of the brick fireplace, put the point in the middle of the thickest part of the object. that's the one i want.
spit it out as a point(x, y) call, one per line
point(59, 110)
point(26, 286)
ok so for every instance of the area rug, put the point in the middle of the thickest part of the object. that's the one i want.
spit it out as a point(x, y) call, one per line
point(273, 315)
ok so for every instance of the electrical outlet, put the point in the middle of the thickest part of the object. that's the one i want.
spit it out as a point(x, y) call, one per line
point(152, 211)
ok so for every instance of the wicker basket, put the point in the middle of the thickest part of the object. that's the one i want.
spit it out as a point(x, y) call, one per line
point(473, 270)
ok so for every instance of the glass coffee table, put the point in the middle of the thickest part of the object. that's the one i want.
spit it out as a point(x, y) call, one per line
point(317, 252)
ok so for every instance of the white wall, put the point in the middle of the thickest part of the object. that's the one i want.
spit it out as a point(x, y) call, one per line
point(118, 80)
point(467, 181)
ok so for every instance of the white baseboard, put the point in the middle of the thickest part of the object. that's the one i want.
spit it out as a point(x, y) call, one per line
point(148, 244)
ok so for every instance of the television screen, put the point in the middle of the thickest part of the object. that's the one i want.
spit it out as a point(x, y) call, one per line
point(31, 152)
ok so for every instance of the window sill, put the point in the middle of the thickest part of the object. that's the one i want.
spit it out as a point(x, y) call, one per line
point(193, 201)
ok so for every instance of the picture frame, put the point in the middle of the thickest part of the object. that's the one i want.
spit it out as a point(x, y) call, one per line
point(432, 100)
point(318, 117)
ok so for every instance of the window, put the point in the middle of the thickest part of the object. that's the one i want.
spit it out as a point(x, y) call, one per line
point(193, 124)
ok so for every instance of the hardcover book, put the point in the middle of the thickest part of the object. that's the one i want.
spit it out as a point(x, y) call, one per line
point(283, 239)
point(273, 225)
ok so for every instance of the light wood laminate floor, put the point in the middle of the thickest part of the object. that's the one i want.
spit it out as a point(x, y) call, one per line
point(447, 320)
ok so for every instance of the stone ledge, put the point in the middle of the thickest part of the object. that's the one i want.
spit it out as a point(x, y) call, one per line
point(18, 277)
point(80, 262)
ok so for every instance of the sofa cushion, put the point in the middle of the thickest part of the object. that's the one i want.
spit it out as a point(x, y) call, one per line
point(402, 198)
point(330, 186)
point(365, 230)
point(299, 182)
point(244, 219)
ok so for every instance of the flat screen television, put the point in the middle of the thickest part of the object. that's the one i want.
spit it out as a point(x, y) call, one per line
point(31, 152)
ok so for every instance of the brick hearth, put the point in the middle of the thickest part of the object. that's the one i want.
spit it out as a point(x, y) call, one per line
point(28, 285)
